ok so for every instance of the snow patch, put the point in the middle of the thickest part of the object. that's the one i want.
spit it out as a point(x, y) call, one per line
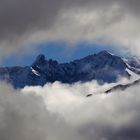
point(35, 72)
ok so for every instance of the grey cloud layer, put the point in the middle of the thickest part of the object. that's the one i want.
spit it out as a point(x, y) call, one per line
point(29, 21)
point(18, 16)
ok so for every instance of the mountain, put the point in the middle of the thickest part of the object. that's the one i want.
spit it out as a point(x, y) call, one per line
point(103, 67)
point(123, 87)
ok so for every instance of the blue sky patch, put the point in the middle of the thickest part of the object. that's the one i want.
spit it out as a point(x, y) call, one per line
point(60, 51)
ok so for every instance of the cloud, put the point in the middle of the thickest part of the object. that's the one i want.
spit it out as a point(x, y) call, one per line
point(25, 117)
point(23, 23)
point(61, 111)
point(102, 117)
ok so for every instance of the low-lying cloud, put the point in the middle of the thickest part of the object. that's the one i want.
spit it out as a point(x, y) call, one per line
point(25, 117)
point(62, 112)
point(102, 117)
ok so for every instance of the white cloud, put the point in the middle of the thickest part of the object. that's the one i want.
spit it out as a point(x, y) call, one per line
point(107, 26)
point(111, 117)
point(62, 112)
point(25, 117)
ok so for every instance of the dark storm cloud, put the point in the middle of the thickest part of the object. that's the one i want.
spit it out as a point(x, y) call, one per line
point(19, 16)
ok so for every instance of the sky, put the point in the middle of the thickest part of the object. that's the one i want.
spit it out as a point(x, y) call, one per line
point(58, 51)
point(25, 24)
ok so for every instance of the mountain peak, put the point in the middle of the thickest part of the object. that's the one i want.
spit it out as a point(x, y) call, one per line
point(40, 59)
point(104, 53)
point(103, 67)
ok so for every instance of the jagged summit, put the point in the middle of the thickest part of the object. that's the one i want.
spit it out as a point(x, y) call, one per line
point(103, 67)
point(40, 60)
point(104, 53)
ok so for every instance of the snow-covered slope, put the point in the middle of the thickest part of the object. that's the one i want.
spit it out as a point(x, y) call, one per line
point(103, 67)
point(133, 68)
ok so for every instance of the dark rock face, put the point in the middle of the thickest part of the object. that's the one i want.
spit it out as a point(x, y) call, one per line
point(103, 67)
